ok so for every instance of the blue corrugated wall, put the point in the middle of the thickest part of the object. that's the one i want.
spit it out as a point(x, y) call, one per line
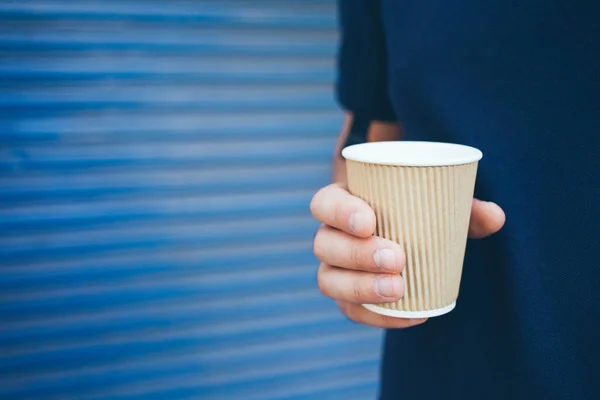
point(157, 159)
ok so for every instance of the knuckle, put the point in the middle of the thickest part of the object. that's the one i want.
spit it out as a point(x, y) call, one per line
point(359, 252)
point(356, 254)
point(339, 216)
point(321, 281)
point(319, 201)
point(314, 203)
point(319, 247)
point(357, 291)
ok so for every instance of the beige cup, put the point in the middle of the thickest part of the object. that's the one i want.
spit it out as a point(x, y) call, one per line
point(421, 193)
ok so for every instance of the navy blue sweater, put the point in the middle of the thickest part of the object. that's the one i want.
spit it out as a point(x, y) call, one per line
point(519, 80)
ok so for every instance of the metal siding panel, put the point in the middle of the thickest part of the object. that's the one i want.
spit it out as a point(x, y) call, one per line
point(157, 159)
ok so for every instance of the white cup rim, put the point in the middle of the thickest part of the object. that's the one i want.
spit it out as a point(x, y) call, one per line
point(412, 153)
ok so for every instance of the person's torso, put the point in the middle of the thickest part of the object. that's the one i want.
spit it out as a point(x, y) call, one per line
point(521, 82)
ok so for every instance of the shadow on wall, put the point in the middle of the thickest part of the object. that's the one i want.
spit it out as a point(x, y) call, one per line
point(157, 159)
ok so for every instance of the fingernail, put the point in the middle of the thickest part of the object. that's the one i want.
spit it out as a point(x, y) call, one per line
point(357, 222)
point(385, 259)
point(385, 286)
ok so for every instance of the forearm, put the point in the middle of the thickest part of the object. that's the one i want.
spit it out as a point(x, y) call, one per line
point(378, 132)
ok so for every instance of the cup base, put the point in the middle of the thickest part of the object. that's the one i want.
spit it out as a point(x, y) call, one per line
point(410, 314)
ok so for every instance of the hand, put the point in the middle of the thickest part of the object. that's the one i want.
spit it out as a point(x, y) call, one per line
point(357, 267)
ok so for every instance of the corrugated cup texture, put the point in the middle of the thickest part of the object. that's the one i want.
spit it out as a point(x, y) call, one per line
point(427, 211)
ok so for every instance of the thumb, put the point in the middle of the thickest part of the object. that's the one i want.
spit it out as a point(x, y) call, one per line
point(487, 218)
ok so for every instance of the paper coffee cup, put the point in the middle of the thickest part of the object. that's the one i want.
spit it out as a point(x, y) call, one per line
point(421, 193)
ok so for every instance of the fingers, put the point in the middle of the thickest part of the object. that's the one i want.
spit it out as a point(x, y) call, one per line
point(359, 287)
point(373, 254)
point(335, 207)
point(361, 315)
point(486, 219)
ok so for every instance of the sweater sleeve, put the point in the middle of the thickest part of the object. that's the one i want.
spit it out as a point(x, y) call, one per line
point(361, 86)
